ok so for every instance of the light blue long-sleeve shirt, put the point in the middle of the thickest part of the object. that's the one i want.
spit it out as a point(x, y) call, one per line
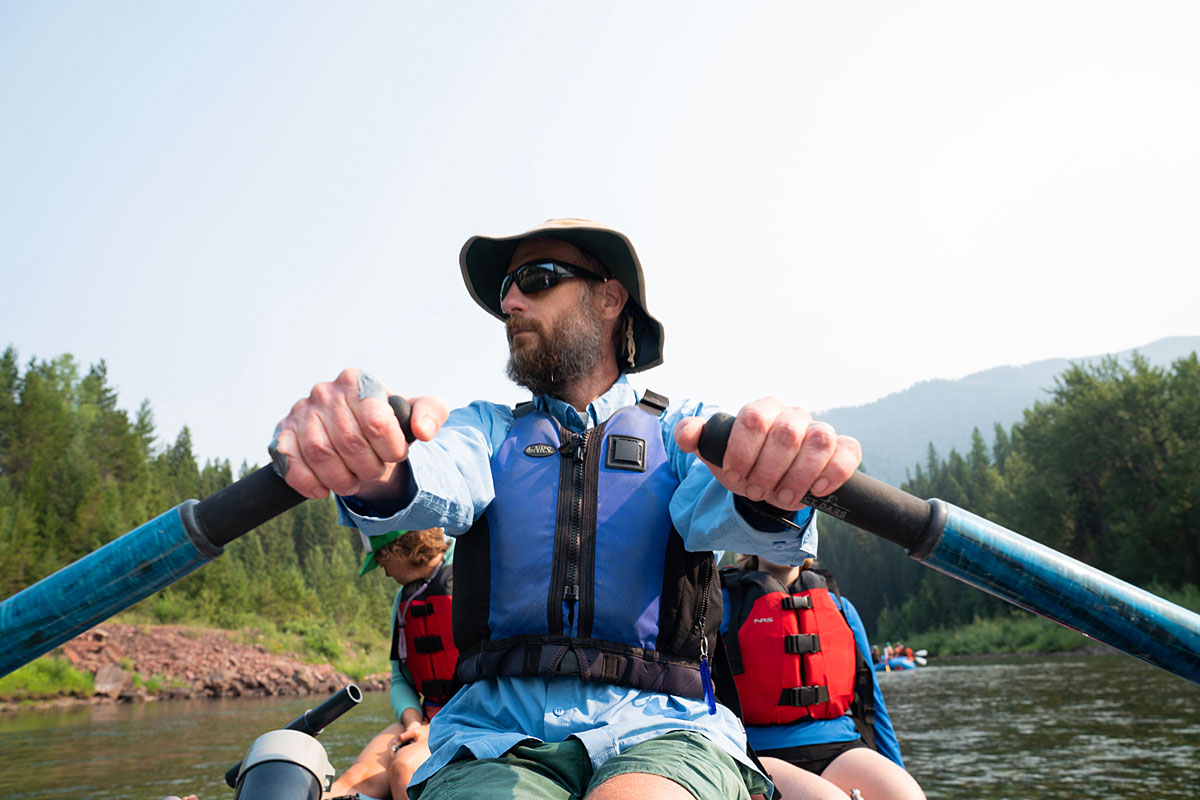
point(451, 486)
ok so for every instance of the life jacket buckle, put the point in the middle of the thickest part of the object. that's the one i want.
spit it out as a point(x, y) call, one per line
point(428, 644)
point(793, 602)
point(804, 696)
point(802, 643)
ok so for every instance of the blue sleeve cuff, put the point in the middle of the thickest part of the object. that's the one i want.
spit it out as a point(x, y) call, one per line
point(767, 518)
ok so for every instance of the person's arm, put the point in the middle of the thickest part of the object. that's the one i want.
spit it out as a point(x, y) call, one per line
point(710, 517)
point(450, 478)
point(885, 735)
point(405, 700)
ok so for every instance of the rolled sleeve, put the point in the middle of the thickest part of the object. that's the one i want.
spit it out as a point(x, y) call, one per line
point(450, 477)
point(703, 510)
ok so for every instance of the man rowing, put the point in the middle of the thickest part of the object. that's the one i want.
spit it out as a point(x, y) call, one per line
point(586, 604)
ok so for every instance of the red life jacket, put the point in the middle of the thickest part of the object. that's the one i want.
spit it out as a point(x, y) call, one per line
point(791, 651)
point(425, 623)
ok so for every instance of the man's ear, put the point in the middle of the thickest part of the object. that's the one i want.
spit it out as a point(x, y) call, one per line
point(614, 297)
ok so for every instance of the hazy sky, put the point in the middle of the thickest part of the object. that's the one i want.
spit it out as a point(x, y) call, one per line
point(229, 201)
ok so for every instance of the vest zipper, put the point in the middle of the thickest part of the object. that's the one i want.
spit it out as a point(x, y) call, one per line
point(577, 448)
point(705, 670)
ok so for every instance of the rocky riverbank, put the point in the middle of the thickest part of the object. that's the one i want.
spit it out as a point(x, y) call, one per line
point(138, 663)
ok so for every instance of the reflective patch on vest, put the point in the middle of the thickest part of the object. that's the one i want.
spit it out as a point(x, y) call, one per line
point(626, 452)
point(540, 450)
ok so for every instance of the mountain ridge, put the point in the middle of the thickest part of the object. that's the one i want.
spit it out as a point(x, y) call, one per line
point(944, 412)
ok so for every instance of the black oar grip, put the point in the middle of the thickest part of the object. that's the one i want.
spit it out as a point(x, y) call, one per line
point(403, 411)
point(714, 436)
point(862, 501)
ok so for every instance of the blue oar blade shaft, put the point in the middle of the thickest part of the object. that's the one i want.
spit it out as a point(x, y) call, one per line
point(92, 589)
point(1038, 579)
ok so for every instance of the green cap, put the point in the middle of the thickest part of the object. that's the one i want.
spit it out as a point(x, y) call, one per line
point(373, 544)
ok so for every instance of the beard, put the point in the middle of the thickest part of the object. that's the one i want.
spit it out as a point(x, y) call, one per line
point(559, 358)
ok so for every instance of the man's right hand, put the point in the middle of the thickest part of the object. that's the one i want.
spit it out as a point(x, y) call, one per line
point(344, 438)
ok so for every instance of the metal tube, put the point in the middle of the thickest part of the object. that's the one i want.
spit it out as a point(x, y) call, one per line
point(1042, 580)
point(40, 617)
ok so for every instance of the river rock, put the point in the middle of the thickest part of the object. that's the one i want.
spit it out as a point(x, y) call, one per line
point(195, 662)
point(110, 680)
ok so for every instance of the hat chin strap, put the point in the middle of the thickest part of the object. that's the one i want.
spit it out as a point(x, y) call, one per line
point(630, 345)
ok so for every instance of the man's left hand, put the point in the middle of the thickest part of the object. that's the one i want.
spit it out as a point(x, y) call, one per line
point(777, 454)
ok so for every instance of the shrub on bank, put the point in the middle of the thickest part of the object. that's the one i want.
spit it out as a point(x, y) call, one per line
point(1013, 631)
point(45, 678)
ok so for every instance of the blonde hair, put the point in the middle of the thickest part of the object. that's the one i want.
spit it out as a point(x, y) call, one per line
point(416, 547)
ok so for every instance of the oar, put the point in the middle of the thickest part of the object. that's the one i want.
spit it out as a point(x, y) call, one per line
point(1010, 566)
point(128, 569)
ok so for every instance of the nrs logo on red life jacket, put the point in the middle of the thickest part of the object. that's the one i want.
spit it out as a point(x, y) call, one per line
point(425, 624)
point(791, 651)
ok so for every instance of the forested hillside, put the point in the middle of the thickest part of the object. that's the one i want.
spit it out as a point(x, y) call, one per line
point(77, 471)
point(1107, 470)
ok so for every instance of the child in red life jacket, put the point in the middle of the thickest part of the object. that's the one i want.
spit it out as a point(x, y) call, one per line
point(812, 707)
point(423, 659)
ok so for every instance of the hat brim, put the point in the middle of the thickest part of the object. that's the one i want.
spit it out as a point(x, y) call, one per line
point(484, 260)
point(377, 543)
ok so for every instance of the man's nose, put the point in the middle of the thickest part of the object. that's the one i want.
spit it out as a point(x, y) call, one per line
point(514, 302)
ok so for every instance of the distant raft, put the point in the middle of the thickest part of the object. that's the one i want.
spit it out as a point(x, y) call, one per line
point(894, 664)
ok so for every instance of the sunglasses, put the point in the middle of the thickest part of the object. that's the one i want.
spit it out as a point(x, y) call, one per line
point(538, 276)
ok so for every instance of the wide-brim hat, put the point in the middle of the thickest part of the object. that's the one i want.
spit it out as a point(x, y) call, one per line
point(373, 544)
point(486, 259)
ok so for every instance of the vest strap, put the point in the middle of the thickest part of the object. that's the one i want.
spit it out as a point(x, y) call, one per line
point(801, 643)
point(438, 691)
point(529, 667)
point(421, 610)
point(804, 696)
point(595, 660)
point(428, 644)
point(653, 403)
point(733, 644)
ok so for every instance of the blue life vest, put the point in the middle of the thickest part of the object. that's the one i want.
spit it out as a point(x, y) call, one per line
point(576, 569)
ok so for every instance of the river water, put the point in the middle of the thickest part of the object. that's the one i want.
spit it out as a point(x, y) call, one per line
point(1070, 728)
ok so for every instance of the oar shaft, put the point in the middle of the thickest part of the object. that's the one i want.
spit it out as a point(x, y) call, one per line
point(60, 606)
point(42, 616)
point(1042, 580)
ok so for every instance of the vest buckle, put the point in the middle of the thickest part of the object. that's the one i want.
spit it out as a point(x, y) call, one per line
point(802, 643)
point(804, 696)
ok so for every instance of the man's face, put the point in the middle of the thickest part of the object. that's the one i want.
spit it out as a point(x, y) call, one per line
point(556, 336)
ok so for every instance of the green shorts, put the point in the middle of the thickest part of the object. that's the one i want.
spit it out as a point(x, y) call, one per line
point(563, 771)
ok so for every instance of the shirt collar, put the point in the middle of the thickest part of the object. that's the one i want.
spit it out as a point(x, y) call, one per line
point(619, 395)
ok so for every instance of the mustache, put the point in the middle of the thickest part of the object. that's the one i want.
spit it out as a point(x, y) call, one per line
point(516, 323)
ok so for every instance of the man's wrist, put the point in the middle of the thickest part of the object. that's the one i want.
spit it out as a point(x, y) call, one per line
point(386, 498)
point(768, 518)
